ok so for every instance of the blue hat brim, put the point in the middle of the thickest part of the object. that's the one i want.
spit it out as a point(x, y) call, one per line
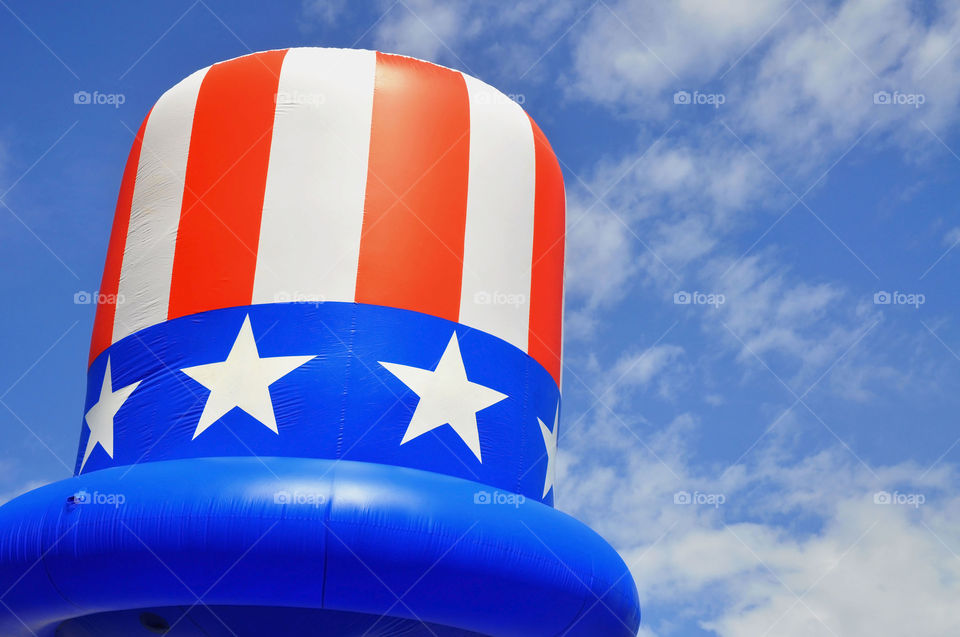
point(309, 534)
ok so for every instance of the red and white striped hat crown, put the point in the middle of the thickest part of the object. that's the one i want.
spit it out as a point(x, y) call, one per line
point(339, 175)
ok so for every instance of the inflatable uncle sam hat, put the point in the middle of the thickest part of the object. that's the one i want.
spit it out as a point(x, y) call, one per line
point(327, 398)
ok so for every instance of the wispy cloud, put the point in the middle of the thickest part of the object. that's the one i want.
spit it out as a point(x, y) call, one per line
point(735, 550)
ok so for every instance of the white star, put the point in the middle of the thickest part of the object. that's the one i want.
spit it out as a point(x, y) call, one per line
point(243, 381)
point(550, 442)
point(446, 397)
point(100, 417)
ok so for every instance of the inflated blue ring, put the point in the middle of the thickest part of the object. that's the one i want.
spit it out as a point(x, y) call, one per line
point(306, 533)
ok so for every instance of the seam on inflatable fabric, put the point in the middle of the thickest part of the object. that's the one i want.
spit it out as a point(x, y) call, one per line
point(326, 536)
point(346, 380)
point(46, 552)
point(588, 597)
point(523, 430)
point(581, 613)
point(188, 615)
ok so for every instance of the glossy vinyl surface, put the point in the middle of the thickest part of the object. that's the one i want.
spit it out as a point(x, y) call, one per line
point(287, 532)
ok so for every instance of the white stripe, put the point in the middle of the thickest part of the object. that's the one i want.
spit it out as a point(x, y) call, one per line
point(498, 241)
point(144, 292)
point(317, 177)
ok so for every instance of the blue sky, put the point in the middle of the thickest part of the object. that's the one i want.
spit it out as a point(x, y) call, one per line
point(795, 397)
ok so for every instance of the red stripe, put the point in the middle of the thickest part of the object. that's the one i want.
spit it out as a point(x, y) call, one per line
point(216, 253)
point(546, 277)
point(103, 322)
point(411, 247)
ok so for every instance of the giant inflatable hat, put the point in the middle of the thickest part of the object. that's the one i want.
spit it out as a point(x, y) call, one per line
point(326, 400)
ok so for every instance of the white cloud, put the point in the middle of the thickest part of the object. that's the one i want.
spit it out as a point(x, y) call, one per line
point(805, 89)
point(872, 570)
point(665, 206)
point(952, 237)
point(671, 221)
point(420, 28)
point(683, 240)
point(503, 39)
point(635, 372)
point(640, 368)
point(709, 173)
point(20, 490)
point(767, 312)
point(815, 91)
point(861, 568)
point(322, 11)
point(599, 264)
point(631, 52)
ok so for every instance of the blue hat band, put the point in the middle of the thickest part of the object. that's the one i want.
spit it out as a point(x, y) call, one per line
point(339, 393)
